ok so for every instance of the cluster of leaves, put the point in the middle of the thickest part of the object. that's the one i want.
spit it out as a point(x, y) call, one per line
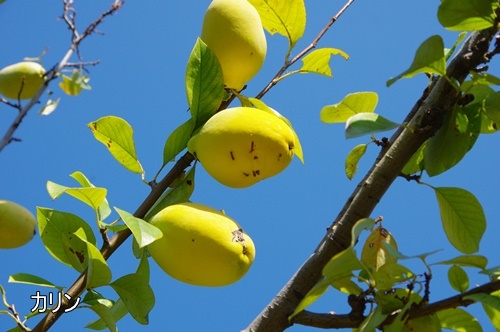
point(392, 287)
point(73, 242)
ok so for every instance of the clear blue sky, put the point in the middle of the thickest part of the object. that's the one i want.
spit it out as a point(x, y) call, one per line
point(143, 55)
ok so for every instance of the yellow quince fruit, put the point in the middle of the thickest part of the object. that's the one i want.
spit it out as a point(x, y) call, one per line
point(23, 77)
point(232, 29)
point(17, 225)
point(241, 146)
point(201, 246)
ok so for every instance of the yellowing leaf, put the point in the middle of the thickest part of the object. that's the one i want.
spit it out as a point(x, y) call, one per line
point(288, 18)
point(354, 103)
point(74, 84)
point(352, 160)
point(117, 135)
point(318, 61)
point(374, 253)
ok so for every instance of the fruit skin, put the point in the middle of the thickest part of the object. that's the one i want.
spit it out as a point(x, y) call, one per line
point(17, 225)
point(11, 79)
point(201, 246)
point(241, 146)
point(232, 29)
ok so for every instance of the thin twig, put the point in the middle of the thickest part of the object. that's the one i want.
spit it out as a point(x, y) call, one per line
point(306, 50)
point(52, 74)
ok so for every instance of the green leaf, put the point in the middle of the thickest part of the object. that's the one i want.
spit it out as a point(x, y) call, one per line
point(318, 61)
point(429, 59)
point(179, 194)
point(491, 305)
point(463, 218)
point(354, 103)
point(204, 83)
point(105, 316)
point(118, 310)
point(361, 225)
point(492, 106)
point(484, 78)
point(367, 123)
point(447, 147)
point(93, 197)
point(374, 254)
point(494, 271)
point(53, 225)
point(346, 285)
point(342, 265)
point(466, 260)
point(352, 160)
point(458, 279)
point(449, 52)
point(396, 299)
point(104, 210)
point(144, 232)
point(75, 250)
point(98, 272)
point(177, 141)
point(288, 18)
point(314, 294)
point(466, 15)
point(389, 274)
point(458, 320)
point(31, 279)
point(117, 135)
point(137, 296)
point(415, 164)
point(74, 84)
point(372, 321)
point(398, 255)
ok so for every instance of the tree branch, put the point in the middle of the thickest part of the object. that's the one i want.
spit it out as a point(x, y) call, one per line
point(426, 120)
point(335, 321)
point(52, 74)
point(306, 50)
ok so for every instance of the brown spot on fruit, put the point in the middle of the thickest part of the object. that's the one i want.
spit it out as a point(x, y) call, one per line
point(255, 157)
point(245, 174)
point(232, 155)
point(237, 236)
point(279, 156)
point(252, 147)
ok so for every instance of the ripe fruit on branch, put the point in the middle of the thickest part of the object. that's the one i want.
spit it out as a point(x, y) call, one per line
point(17, 225)
point(22, 80)
point(232, 29)
point(201, 246)
point(241, 146)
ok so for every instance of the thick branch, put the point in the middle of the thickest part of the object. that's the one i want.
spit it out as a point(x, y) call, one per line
point(425, 121)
